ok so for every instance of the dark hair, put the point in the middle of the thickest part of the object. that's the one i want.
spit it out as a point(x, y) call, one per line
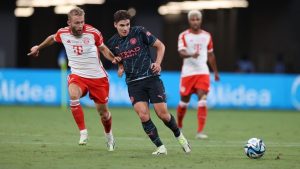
point(121, 15)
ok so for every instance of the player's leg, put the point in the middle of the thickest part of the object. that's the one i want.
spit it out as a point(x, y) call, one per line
point(181, 109)
point(186, 90)
point(142, 110)
point(201, 114)
point(140, 99)
point(157, 95)
point(99, 91)
point(202, 91)
point(106, 120)
point(169, 120)
point(75, 93)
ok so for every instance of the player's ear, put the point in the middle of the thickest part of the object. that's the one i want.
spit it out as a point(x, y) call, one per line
point(115, 24)
point(69, 22)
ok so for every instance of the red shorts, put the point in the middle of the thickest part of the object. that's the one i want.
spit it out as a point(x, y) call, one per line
point(190, 84)
point(98, 88)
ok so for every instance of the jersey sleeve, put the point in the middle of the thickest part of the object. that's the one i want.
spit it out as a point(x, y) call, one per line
point(147, 37)
point(210, 46)
point(110, 45)
point(98, 38)
point(57, 37)
point(181, 42)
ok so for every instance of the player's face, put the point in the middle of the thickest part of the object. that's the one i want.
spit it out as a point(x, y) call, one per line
point(123, 27)
point(195, 22)
point(76, 23)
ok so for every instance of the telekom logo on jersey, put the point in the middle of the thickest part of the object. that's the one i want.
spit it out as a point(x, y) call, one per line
point(78, 49)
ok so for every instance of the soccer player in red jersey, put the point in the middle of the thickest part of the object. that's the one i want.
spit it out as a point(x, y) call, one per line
point(195, 46)
point(82, 43)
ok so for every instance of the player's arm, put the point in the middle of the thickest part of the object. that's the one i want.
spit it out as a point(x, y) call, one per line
point(213, 64)
point(34, 51)
point(184, 54)
point(108, 54)
point(120, 69)
point(182, 48)
point(160, 51)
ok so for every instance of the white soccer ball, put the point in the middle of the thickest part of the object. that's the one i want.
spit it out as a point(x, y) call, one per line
point(255, 148)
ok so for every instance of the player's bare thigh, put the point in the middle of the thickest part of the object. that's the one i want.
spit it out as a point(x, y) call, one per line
point(74, 91)
point(142, 109)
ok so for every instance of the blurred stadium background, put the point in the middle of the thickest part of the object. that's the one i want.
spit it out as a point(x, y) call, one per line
point(257, 46)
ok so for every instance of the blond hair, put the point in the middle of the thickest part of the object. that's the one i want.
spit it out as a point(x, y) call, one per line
point(76, 12)
point(194, 13)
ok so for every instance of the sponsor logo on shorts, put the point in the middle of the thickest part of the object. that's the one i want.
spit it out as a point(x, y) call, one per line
point(70, 79)
point(160, 96)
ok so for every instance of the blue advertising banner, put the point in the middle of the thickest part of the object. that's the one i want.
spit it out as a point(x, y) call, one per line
point(243, 91)
point(29, 87)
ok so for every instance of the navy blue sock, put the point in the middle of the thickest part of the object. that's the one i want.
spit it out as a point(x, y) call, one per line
point(173, 126)
point(151, 131)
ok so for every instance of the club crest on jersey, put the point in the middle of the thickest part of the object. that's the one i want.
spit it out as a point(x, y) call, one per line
point(133, 41)
point(202, 40)
point(86, 40)
point(148, 33)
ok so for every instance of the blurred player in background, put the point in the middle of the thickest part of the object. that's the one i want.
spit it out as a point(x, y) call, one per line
point(82, 43)
point(133, 44)
point(195, 46)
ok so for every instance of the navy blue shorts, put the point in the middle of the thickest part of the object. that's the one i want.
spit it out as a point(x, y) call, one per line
point(150, 89)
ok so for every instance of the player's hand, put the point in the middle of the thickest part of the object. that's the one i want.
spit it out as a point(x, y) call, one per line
point(195, 55)
point(120, 71)
point(116, 60)
point(34, 51)
point(217, 77)
point(155, 67)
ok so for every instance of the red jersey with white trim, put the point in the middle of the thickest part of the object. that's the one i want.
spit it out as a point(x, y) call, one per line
point(82, 51)
point(201, 43)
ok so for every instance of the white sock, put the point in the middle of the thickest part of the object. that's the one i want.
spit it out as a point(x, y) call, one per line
point(84, 131)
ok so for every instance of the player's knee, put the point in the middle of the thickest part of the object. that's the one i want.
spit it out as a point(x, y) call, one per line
point(144, 116)
point(164, 115)
point(202, 103)
point(102, 110)
point(74, 96)
point(183, 104)
point(105, 115)
point(203, 96)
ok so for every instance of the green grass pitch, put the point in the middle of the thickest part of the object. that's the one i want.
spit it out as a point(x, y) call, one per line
point(46, 138)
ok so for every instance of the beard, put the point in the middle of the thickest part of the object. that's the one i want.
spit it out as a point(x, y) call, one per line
point(76, 32)
point(195, 27)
